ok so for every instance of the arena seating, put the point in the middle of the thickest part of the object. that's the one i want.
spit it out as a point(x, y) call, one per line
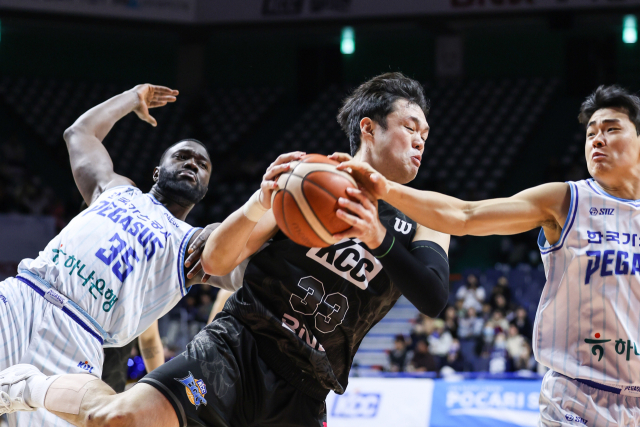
point(526, 284)
point(478, 127)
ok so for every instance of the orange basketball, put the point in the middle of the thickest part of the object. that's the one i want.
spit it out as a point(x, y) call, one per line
point(306, 201)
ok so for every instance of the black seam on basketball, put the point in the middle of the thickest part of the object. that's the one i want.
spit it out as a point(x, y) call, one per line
point(312, 210)
point(284, 218)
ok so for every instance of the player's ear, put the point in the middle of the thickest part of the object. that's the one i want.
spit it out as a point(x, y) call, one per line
point(156, 173)
point(366, 129)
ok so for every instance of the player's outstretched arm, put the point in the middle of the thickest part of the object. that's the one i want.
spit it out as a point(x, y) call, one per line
point(90, 162)
point(248, 228)
point(545, 206)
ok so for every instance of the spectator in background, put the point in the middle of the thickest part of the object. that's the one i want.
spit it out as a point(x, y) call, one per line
point(514, 342)
point(470, 326)
point(421, 329)
point(498, 361)
point(499, 303)
point(451, 321)
point(471, 294)
point(422, 360)
point(486, 312)
point(440, 341)
point(498, 321)
point(501, 289)
point(522, 323)
point(454, 358)
point(398, 356)
point(525, 360)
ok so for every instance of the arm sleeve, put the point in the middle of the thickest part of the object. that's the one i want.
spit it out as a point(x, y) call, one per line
point(421, 272)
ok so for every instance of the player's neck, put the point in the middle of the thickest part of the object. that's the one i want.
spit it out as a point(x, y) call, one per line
point(628, 189)
point(177, 210)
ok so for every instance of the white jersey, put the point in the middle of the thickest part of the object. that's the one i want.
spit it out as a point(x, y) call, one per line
point(587, 325)
point(121, 261)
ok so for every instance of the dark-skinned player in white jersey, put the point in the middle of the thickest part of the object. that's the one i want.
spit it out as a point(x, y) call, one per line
point(287, 337)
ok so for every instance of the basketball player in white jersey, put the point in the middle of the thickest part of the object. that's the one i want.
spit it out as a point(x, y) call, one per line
point(113, 270)
point(586, 330)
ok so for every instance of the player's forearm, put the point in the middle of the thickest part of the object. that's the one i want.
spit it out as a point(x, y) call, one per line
point(99, 120)
point(226, 244)
point(433, 210)
point(151, 348)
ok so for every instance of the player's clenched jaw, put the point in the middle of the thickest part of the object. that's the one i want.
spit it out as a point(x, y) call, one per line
point(396, 151)
point(611, 116)
point(385, 120)
point(612, 146)
point(184, 172)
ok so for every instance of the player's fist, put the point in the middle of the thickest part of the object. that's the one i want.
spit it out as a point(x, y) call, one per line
point(152, 96)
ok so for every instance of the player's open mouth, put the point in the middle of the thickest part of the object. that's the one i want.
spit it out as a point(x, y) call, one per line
point(188, 174)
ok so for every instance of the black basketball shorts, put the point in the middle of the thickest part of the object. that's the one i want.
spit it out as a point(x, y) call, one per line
point(220, 380)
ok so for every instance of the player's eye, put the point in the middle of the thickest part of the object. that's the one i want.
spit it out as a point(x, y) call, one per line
point(411, 129)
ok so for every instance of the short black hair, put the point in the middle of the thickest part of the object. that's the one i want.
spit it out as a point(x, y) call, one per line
point(612, 96)
point(374, 99)
point(181, 141)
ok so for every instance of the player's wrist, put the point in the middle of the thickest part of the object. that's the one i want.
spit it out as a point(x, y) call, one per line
point(253, 210)
point(378, 238)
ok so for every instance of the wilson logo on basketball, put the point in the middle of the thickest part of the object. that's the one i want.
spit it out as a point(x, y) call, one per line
point(349, 260)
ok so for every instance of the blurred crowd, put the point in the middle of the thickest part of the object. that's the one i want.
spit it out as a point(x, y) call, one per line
point(480, 333)
point(21, 190)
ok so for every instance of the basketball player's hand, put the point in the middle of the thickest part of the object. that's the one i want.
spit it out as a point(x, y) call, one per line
point(152, 96)
point(364, 173)
point(195, 252)
point(270, 179)
point(361, 212)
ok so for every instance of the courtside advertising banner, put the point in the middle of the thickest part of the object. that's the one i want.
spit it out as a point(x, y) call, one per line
point(494, 403)
point(382, 402)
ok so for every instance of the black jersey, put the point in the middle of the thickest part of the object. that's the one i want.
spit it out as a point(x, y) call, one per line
point(309, 309)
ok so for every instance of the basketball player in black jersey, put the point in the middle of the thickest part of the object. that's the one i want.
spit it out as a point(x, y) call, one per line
point(288, 336)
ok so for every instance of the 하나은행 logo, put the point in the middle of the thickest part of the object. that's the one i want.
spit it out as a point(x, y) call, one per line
point(196, 389)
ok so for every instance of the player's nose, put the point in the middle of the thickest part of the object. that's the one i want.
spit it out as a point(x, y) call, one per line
point(598, 140)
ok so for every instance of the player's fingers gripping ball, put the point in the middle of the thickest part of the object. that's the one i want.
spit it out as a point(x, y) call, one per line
point(306, 201)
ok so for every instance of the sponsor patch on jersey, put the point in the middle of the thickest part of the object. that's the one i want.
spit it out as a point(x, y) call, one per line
point(601, 211)
point(575, 418)
point(196, 389)
point(631, 390)
point(86, 366)
point(55, 298)
point(349, 260)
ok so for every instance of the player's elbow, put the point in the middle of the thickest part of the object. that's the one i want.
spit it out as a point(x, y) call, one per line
point(69, 133)
point(214, 267)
